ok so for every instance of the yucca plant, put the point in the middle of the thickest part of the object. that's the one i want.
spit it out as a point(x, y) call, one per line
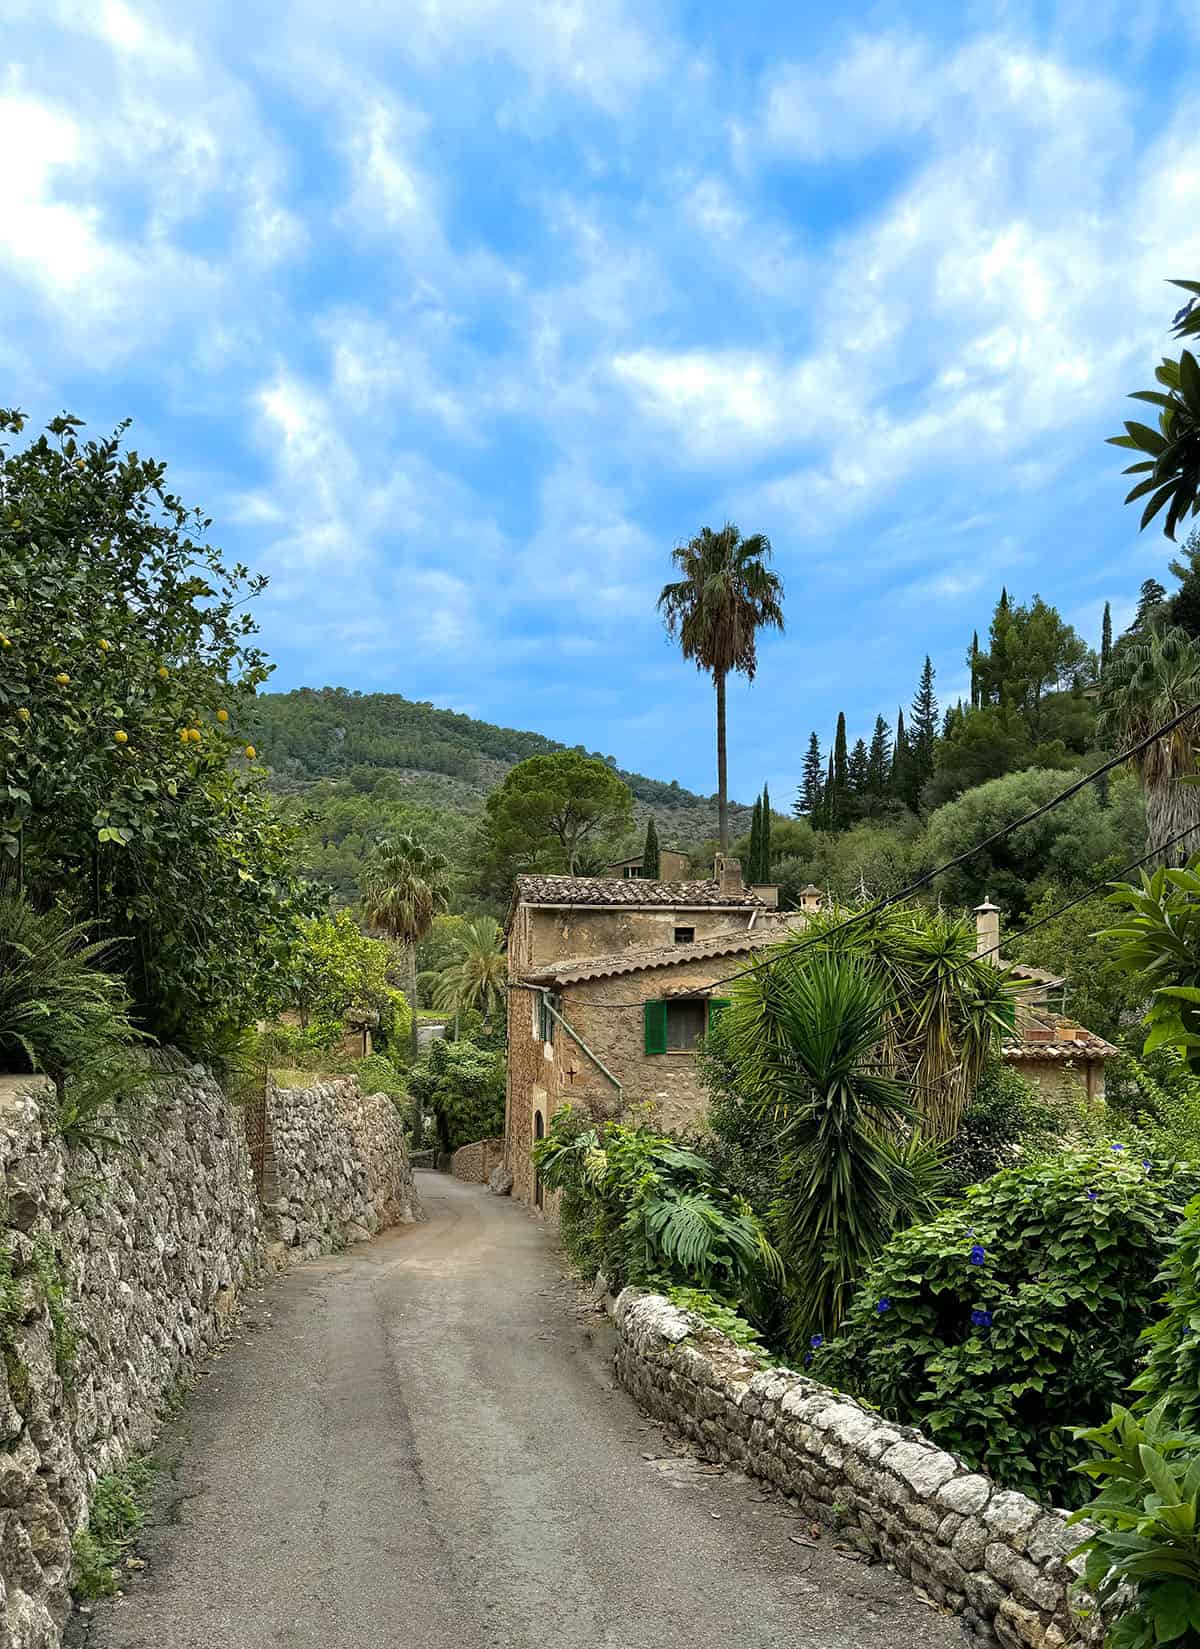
point(1144, 1558)
point(59, 1010)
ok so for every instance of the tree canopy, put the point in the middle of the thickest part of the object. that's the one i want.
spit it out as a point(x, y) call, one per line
point(549, 809)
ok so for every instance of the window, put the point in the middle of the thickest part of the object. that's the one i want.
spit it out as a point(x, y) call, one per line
point(685, 936)
point(678, 1026)
point(632, 873)
point(546, 1018)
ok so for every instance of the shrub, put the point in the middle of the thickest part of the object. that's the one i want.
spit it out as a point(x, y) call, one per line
point(649, 1211)
point(377, 1075)
point(1144, 1558)
point(1006, 1119)
point(117, 1513)
point(1172, 1369)
point(463, 1086)
point(1015, 1315)
point(723, 1318)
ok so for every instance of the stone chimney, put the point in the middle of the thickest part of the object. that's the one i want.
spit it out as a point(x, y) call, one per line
point(987, 930)
point(727, 872)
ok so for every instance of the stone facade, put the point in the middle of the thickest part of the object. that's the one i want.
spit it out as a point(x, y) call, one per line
point(341, 1166)
point(475, 1162)
point(121, 1263)
point(996, 1558)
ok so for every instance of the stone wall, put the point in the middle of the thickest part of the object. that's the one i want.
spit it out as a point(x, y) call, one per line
point(341, 1166)
point(150, 1242)
point(995, 1557)
point(474, 1162)
point(121, 1263)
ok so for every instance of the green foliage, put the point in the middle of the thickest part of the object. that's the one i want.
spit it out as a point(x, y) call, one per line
point(1157, 938)
point(462, 1087)
point(57, 1008)
point(1006, 1120)
point(1015, 1315)
point(117, 1514)
point(378, 1075)
point(475, 977)
point(1147, 1539)
point(722, 1317)
point(1102, 993)
point(340, 973)
point(1170, 473)
point(651, 1212)
point(650, 859)
point(1172, 1368)
point(1069, 845)
point(549, 810)
point(126, 789)
point(1153, 677)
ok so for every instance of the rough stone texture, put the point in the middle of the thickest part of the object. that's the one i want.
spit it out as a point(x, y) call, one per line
point(149, 1236)
point(476, 1162)
point(341, 1165)
point(991, 1555)
point(500, 1183)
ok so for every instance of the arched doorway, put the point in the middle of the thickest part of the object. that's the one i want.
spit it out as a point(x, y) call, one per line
point(539, 1132)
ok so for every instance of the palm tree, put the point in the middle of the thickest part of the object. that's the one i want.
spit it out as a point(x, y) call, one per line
point(476, 975)
point(1150, 679)
point(853, 1168)
point(726, 595)
point(404, 887)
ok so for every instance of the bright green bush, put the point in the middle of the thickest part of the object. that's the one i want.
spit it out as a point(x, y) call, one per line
point(1015, 1315)
point(723, 1318)
point(1172, 1368)
point(1006, 1120)
point(463, 1087)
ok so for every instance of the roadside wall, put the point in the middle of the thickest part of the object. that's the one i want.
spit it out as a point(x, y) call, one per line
point(121, 1264)
point(342, 1171)
point(996, 1558)
point(475, 1162)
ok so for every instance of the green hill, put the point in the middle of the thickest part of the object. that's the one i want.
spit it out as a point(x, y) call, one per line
point(365, 763)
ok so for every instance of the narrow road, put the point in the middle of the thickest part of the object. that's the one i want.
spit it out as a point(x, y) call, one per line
point(418, 1445)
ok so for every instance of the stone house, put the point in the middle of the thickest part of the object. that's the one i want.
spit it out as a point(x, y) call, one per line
point(612, 984)
point(673, 866)
point(1046, 1046)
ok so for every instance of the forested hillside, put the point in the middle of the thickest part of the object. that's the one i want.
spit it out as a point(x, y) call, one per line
point(366, 764)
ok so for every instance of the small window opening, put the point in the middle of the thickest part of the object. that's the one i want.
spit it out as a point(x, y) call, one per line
point(686, 1024)
point(685, 936)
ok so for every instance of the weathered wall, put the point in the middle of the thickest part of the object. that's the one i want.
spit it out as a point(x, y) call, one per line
point(1062, 1079)
point(150, 1243)
point(532, 1086)
point(602, 930)
point(993, 1556)
point(341, 1166)
point(120, 1266)
point(474, 1162)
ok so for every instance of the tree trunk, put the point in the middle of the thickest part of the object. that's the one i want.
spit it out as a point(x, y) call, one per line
point(1170, 808)
point(722, 776)
point(410, 968)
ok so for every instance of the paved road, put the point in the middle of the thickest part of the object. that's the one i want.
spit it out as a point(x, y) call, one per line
point(417, 1445)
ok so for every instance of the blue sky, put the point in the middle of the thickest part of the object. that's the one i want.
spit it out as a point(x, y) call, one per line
point(456, 315)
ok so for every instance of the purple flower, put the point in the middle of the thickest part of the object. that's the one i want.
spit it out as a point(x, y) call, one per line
point(807, 1358)
point(883, 1305)
point(817, 1340)
point(1118, 1147)
point(981, 1319)
point(1147, 1164)
point(978, 1254)
point(1091, 1196)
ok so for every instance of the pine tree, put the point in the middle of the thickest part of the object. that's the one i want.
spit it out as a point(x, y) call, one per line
point(650, 864)
point(994, 669)
point(838, 809)
point(922, 738)
point(899, 759)
point(1106, 638)
point(764, 838)
point(808, 797)
point(752, 857)
point(1151, 597)
point(879, 759)
point(973, 659)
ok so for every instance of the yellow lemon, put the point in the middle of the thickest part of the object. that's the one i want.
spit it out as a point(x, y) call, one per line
point(22, 714)
point(194, 735)
point(222, 715)
point(251, 752)
point(103, 645)
point(183, 735)
point(163, 671)
point(63, 679)
point(121, 736)
point(5, 642)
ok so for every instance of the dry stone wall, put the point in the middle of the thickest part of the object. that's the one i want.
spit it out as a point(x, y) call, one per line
point(996, 1558)
point(475, 1162)
point(121, 1263)
point(342, 1171)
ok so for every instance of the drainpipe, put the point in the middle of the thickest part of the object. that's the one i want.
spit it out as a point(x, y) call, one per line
point(545, 995)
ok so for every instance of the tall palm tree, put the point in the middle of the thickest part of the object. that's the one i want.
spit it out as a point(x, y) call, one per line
point(726, 595)
point(404, 886)
point(1149, 680)
point(476, 974)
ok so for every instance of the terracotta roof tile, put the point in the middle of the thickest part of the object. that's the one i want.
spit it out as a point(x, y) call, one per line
point(574, 970)
point(1039, 1035)
point(636, 890)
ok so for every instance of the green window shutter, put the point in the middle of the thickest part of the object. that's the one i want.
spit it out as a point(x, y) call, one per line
point(716, 1007)
point(655, 1015)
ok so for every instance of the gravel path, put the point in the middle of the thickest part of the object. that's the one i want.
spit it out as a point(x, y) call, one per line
point(418, 1445)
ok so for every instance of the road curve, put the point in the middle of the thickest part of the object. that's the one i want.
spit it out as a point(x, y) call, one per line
point(418, 1445)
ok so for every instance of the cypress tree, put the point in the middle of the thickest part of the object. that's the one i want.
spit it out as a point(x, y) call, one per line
point(808, 798)
point(899, 758)
point(841, 782)
point(879, 759)
point(752, 856)
point(764, 838)
point(828, 798)
point(650, 864)
point(995, 681)
point(1106, 639)
point(974, 662)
